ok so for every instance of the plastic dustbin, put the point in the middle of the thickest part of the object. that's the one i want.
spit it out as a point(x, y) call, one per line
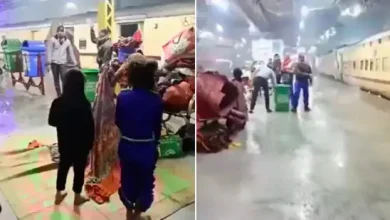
point(31, 50)
point(170, 146)
point(13, 58)
point(92, 77)
point(282, 98)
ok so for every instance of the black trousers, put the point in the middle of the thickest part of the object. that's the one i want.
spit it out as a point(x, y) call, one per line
point(59, 71)
point(258, 84)
point(79, 163)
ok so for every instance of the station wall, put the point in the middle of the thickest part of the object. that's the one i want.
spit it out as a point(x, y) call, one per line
point(156, 32)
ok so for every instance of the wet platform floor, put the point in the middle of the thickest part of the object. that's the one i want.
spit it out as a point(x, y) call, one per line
point(27, 178)
point(331, 163)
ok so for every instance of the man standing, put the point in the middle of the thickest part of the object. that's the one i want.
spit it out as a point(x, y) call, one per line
point(104, 46)
point(260, 80)
point(60, 54)
point(277, 67)
point(303, 79)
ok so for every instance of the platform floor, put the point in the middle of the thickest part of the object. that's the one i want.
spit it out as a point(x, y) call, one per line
point(331, 163)
point(27, 178)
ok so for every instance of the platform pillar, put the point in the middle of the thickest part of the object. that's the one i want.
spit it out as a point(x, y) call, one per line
point(106, 16)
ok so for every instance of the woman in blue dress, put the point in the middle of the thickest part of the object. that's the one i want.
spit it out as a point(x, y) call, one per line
point(138, 116)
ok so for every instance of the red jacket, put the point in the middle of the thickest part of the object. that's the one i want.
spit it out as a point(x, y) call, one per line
point(287, 64)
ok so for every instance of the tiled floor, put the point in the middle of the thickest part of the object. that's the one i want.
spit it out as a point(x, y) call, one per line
point(27, 178)
point(330, 164)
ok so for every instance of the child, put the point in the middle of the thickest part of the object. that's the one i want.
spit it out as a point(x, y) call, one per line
point(139, 117)
point(71, 114)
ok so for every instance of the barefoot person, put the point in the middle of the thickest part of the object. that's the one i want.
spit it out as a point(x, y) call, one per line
point(72, 116)
point(139, 118)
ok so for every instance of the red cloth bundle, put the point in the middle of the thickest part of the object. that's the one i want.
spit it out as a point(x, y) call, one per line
point(180, 46)
point(131, 42)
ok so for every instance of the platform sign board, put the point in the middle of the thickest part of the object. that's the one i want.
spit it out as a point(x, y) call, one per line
point(263, 49)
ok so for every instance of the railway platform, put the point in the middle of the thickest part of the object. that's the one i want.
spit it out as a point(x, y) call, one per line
point(27, 177)
point(330, 163)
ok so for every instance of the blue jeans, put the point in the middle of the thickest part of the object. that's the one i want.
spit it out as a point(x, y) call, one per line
point(297, 87)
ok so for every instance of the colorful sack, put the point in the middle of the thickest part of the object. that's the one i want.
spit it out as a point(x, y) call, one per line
point(177, 97)
point(181, 46)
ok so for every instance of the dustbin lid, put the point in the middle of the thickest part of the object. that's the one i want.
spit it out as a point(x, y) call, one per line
point(10, 45)
point(33, 46)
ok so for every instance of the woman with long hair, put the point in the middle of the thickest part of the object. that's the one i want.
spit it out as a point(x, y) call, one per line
point(71, 114)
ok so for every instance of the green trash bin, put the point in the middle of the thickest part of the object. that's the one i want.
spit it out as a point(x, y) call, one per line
point(282, 98)
point(12, 49)
point(92, 77)
point(170, 146)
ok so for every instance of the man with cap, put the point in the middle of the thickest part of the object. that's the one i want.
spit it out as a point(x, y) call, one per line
point(60, 56)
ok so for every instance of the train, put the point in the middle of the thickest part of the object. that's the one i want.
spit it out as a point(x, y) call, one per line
point(158, 24)
point(365, 64)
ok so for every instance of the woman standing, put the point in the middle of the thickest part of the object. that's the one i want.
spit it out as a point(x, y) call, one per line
point(104, 175)
point(139, 118)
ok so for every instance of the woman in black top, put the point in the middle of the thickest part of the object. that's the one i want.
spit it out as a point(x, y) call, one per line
point(72, 116)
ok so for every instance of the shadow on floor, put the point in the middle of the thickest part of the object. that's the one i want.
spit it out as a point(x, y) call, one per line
point(14, 152)
point(42, 169)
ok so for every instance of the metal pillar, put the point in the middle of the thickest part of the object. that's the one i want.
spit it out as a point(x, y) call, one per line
point(106, 16)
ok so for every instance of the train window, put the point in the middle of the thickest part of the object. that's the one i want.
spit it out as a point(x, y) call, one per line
point(385, 64)
point(366, 65)
point(82, 44)
point(371, 65)
point(361, 64)
point(377, 64)
point(354, 64)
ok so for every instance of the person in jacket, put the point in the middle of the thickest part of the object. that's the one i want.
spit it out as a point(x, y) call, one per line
point(76, 52)
point(260, 80)
point(60, 56)
point(303, 79)
point(277, 67)
point(104, 46)
point(71, 115)
point(139, 118)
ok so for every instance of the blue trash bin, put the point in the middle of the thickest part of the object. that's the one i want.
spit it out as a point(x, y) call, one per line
point(124, 53)
point(31, 50)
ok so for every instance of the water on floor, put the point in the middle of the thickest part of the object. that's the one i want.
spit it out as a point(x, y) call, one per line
point(331, 163)
point(27, 178)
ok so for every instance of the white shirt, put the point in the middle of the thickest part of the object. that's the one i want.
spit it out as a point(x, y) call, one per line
point(265, 72)
point(246, 73)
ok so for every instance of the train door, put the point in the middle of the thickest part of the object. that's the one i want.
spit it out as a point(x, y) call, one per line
point(341, 72)
point(340, 66)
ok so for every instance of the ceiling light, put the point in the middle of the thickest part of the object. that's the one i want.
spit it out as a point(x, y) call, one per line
point(222, 4)
point(238, 55)
point(70, 5)
point(219, 28)
point(206, 34)
point(301, 25)
point(357, 10)
point(252, 28)
point(305, 11)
